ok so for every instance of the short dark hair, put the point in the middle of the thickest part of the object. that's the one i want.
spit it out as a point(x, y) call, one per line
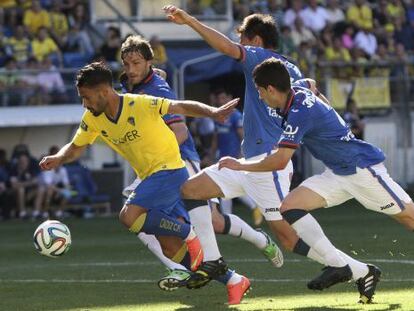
point(272, 72)
point(94, 74)
point(263, 26)
point(138, 44)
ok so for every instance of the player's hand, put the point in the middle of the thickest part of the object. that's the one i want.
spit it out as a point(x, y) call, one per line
point(176, 15)
point(231, 163)
point(221, 114)
point(50, 162)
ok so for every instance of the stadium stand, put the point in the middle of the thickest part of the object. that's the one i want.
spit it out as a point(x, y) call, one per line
point(359, 51)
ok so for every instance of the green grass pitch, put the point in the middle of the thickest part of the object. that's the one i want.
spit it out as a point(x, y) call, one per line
point(107, 268)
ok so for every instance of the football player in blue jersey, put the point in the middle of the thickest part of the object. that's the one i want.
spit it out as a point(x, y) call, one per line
point(226, 142)
point(354, 169)
point(262, 130)
point(139, 77)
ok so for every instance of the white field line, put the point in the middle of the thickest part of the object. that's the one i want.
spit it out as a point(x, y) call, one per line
point(146, 281)
point(155, 262)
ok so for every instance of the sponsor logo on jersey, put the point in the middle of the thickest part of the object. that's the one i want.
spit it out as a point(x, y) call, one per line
point(389, 205)
point(104, 133)
point(131, 121)
point(131, 103)
point(127, 138)
point(273, 112)
point(84, 126)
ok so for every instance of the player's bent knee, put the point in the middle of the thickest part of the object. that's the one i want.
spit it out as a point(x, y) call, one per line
point(129, 214)
point(218, 221)
point(188, 191)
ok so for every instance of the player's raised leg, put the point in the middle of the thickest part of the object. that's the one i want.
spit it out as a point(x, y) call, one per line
point(213, 266)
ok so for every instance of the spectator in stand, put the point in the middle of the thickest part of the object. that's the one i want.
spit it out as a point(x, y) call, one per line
point(275, 8)
point(240, 10)
point(314, 16)
point(111, 49)
point(358, 58)
point(337, 53)
point(334, 12)
point(301, 34)
point(382, 18)
point(36, 18)
point(382, 57)
point(395, 9)
point(410, 13)
point(10, 84)
point(14, 11)
point(33, 93)
point(51, 81)
point(78, 41)
point(353, 119)
point(325, 40)
point(26, 187)
point(347, 37)
point(306, 58)
point(360, 15)
point(401, 58)
point(57, 188)
point(4, 178)
point(293, 12)
point(403, 33)
point(286, 45)
point(19, 46)
point(43, 46)
point(3, 47)
point(79, 16)
point(160, 54)
point(366, 41)
point(59, 26)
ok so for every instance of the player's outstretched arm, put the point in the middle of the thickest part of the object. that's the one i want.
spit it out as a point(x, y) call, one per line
point(214, 38)
point(274, 162)
point(313, 87)
point(196, 109)
point(68, 153)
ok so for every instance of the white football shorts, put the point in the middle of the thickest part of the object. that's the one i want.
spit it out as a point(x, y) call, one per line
point(372, 187)
point(267, 189)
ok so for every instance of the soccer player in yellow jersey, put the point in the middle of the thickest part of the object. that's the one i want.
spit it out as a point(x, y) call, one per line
point(132, 125)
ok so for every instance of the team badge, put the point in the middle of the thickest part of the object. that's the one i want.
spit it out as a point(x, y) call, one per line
point(84, 126)
point(131, 121)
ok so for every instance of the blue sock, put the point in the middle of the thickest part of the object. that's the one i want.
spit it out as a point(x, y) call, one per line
point(226, 277)
point(159, 223)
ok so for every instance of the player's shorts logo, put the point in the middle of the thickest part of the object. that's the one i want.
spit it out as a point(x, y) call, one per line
point(272, 210)
point(387, 206)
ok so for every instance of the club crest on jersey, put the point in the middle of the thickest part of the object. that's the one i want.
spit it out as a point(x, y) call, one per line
point(84, 126)
point(131, 121)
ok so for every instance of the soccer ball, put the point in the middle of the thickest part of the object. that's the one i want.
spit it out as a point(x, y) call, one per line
point(52, 238)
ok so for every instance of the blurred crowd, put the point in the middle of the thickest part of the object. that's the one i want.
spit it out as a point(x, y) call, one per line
point(354, 31)
point(26, 192)
point(40, 38)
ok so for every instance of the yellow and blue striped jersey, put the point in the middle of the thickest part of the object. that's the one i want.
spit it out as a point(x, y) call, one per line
point(138, 134)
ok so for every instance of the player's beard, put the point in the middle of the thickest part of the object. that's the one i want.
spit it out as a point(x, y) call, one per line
point(102, 104)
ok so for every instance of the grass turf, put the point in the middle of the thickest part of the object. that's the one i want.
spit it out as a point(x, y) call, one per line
point(108, 269)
